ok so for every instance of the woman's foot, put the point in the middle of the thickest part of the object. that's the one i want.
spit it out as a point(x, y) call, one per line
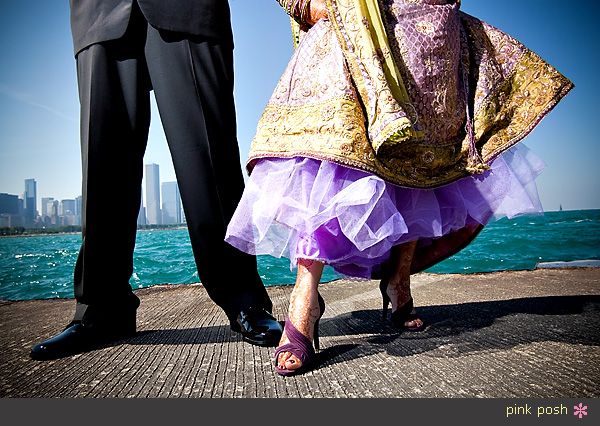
point(304, 311)
point(397, 288)
point(403, 312)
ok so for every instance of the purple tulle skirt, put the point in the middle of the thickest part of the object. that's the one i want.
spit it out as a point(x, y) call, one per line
point(350, 219)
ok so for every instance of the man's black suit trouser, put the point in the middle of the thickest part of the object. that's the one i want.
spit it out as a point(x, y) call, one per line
point(193, 84)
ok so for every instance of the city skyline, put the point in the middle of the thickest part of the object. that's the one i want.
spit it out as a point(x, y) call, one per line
point(26, 211)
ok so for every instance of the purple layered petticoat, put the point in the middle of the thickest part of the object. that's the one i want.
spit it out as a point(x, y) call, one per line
point(350, 219)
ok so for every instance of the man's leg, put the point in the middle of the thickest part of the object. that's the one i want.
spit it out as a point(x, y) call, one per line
point(114, 97)
point(193, 84)
point(115, 116)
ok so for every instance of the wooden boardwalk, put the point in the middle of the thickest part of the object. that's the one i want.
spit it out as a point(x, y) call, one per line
point(508, 334)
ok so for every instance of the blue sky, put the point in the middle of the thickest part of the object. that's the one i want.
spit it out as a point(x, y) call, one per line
point(39, 110)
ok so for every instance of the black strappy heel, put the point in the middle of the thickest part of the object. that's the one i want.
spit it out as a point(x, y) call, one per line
point(403, 314)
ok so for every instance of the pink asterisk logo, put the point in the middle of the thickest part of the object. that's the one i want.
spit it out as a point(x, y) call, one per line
point(580, 410)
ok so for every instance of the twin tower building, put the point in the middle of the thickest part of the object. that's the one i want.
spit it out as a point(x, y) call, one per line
point(165, 210)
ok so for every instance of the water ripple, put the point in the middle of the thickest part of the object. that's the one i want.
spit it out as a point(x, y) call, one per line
point(41, 267)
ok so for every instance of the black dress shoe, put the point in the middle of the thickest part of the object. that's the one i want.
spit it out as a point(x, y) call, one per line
point(257, 327)
point(82, 336)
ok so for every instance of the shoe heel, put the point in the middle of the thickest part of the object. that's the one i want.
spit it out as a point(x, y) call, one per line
point(316, 335)
point(316, 328)
point(385, 300)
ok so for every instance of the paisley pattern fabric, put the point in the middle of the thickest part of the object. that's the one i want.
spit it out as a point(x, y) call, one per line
point(335, 101)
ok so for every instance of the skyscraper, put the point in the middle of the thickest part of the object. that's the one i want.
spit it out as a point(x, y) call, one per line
point(153, 194)
point(30, 198)
point(141, 220)
point(171, 203)
point(45, 202)
point(78, 205)
point(68, 212)
point(9, 211)
point(53, 212)
point(67, 207)
point(9, 204)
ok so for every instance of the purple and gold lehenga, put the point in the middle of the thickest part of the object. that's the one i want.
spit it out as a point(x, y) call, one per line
point(366, 144)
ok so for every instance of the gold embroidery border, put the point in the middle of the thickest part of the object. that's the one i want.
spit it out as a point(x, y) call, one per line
point(532, 90)
point(388, 122)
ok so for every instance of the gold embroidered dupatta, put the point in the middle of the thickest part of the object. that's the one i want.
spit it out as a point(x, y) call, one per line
point(372, 129)
point(366, 46)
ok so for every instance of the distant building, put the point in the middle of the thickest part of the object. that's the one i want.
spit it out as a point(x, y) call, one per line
point(45, 202)
point(67, 212)
point(78, 209)
point(153, 195)
point(9, 204)
point(47, 205)
point(141, 220)
point(67, 207)
point(53, 209)
point(9, 211)
point(30, 198)
point(171, 203)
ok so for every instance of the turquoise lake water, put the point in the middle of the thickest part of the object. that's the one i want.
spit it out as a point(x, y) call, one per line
point(41, 267)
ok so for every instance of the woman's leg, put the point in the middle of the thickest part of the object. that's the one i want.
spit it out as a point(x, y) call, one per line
point(304, 308)
point(398, 288)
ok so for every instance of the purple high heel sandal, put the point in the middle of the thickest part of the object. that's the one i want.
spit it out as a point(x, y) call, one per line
point(300, 345)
